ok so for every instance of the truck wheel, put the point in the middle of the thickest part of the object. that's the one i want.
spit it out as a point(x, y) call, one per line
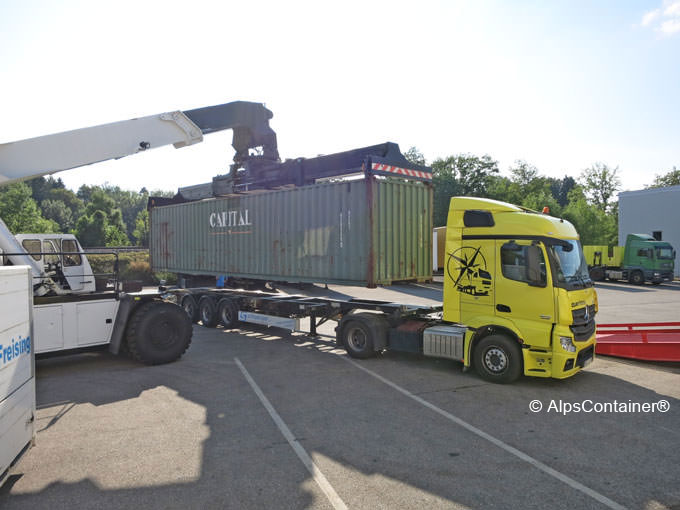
point(158, 332)
point(227, 311)
point(637, 278)
point(362, 333)
point(498, 359)
point(597, 274)
point(191, 308)
point(207, 310)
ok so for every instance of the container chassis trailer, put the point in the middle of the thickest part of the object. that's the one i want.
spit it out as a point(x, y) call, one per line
point(364, 328)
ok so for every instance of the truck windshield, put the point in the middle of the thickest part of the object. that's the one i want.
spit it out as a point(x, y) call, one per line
point(665, 253)
point(570, 266)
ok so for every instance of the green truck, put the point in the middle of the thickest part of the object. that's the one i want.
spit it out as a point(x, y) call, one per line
point(643, 259)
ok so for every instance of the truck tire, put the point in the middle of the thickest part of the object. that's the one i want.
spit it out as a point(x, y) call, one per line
point(227, 312)
point(207, 309)
point(190, 307)
point(362, 333)
point(498, 359)
point(158, 332)
point(597, 274)
point(637, 278)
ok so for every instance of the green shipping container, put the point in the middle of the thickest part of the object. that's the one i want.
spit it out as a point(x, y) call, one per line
point(361, 232)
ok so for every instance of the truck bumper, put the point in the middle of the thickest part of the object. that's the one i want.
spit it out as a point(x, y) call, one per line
point(662, 277)
point(559, 364)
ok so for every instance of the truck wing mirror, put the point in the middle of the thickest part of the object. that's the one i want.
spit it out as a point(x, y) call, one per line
point(535, 267)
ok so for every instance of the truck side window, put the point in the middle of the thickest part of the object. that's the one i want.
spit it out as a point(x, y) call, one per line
point(515, 265)
point(68, 246)
point(32, 246)
point(644, 252)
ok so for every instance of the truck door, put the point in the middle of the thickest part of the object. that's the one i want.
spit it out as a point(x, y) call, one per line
point(72, 265)
point(525, 299)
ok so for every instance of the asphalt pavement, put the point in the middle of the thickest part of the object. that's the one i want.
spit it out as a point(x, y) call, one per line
point(261, 418)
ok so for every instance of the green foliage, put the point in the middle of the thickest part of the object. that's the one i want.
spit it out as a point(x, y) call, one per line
point(131, 266)
point(413, 155)
point(59, 212)
point(460, 175)
point(141, 232)
point(594, 225)
point(671, 178)
point(600, 183)
point(21, 213)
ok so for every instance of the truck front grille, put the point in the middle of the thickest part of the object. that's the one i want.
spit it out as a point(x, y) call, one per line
point(583, 326)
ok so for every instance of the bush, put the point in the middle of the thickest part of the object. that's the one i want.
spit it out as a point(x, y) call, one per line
point(131, 266)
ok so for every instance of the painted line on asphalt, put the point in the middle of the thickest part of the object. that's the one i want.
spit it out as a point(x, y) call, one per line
point(514, 451)
point(316, 473)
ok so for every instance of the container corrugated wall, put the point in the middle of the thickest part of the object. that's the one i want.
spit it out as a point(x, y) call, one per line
point(352, 232)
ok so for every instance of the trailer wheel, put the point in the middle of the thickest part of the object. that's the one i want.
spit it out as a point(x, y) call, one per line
point(498, 359)
point(158, 332)
point(637, 278)
point(190, 307)
point(362, 333)
point(227, 311)
point(207, 309)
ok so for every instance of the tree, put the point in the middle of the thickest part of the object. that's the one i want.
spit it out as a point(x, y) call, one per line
point(413, 155)
point(20, 212)
point(594, 225)
point(42, 186)
point(460, 174)
point(91, 229)
point(141, 232)
point(600, 183)
point(560, 188)
point(671, 178)
point(59, 212)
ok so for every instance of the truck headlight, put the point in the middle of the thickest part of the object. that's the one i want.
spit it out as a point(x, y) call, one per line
point(567, 344)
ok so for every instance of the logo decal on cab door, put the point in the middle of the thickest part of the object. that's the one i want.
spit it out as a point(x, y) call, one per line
point(467, 268)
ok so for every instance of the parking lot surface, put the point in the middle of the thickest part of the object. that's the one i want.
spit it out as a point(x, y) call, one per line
point(260, 418)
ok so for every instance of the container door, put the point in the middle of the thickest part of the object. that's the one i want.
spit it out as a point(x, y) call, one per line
point(519, 297)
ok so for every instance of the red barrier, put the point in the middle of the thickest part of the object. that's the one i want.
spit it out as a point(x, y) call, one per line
point(650, 341)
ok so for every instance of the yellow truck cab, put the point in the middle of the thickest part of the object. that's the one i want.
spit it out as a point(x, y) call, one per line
point(518, 281)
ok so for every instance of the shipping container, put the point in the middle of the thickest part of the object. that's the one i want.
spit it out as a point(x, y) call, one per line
point(370, 231)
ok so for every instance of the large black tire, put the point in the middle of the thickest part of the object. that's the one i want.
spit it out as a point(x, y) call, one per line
point(637, 278)
point(227, 312)
point(498, 359)
point(158, 332)
point(207, 309)
point(191, 308)
point(363, 334)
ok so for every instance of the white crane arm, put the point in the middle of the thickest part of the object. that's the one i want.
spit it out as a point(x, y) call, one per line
point(43, 155)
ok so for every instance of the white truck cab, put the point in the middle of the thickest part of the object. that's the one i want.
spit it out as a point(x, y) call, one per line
point(63, 253)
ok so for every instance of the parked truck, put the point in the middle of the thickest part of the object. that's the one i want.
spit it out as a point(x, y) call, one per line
point(517, 299)
point(642, 259)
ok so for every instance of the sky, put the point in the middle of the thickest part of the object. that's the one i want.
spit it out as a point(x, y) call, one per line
point(559, 84)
